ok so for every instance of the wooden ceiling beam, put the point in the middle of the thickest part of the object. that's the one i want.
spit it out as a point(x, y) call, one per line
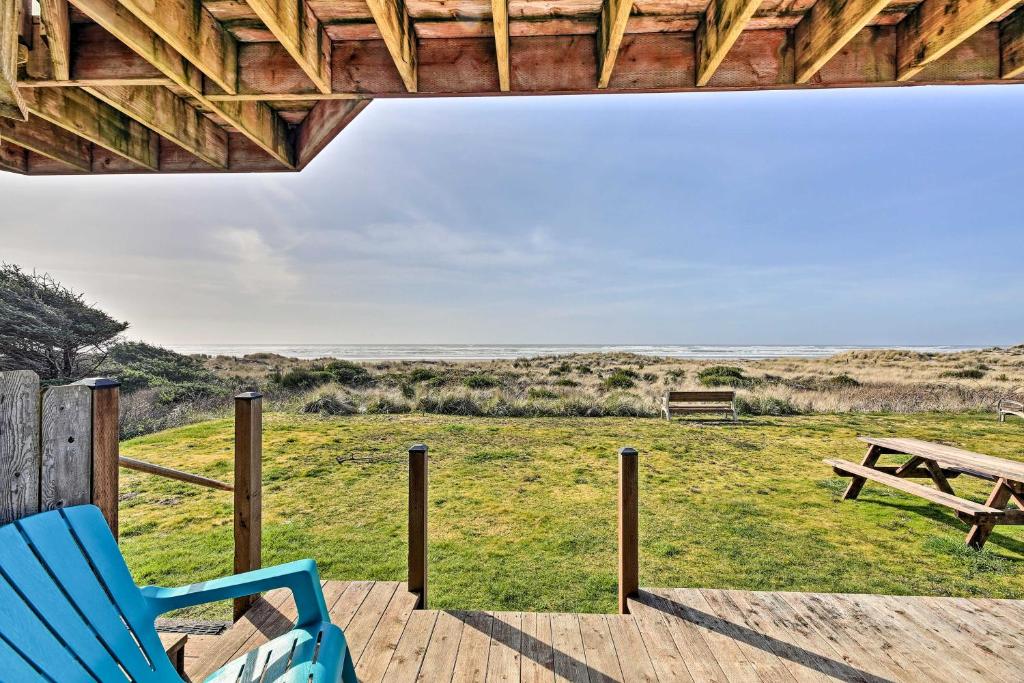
point(12, 104)
point(499, 19)
point(935, 27)
point(255, 120)
point(298, 30)
point(1011, 45)
point(13, 159)
point(395, 26)
point(614, 17)
point(323, 123)
point(162, 111)
point(826, 28)
point(42, 137)
point(720, 26)
point(56, 30)
point(78, 112)
point(188, 28)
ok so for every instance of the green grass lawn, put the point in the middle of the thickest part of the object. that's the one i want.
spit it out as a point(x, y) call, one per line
point(523, 511)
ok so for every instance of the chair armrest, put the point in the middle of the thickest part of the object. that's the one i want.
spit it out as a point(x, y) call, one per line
point(300, 577)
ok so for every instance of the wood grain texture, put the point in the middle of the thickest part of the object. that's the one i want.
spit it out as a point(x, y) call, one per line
point(20, 461)
point(296, 27)
point(190, 29)
point(499, 21)
point(612, 27)
point(66, 445)
point(248, 515)
point(629, 525)
point(395, 28)
point(721, 24)
point(80, 113)
point(12, 105)
point(171, 116)
point(57, 32)
point(323, 123)
point(826, 28)
point(1011, 45)
point(418, 507)
point(937, 26)
point(13, 158)
point(106, 405)
point(49, 140)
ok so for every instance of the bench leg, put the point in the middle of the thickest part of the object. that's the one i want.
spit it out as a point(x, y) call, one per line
point(998, 499)
point(857, 483)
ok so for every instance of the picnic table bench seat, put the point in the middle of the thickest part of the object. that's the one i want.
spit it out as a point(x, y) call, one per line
point(940, 463)
point(72, 613)
point(691, 402)
point(1008, 407)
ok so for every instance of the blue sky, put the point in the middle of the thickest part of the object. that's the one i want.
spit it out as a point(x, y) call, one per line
point(870, 216)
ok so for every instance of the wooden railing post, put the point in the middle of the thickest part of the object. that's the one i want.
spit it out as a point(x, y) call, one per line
point(629, 525)
point(248, 488)
point(418, 523)
point(106, 406)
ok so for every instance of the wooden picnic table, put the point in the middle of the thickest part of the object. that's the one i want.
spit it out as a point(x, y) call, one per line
point(940, 463)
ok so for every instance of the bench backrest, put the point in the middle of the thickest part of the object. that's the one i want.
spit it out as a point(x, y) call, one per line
point(71, 611)
point(701, 396)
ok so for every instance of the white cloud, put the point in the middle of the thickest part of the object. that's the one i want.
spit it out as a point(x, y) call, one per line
point(257, 266)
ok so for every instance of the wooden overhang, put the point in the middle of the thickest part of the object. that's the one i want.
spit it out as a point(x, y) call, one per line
point(178, 86)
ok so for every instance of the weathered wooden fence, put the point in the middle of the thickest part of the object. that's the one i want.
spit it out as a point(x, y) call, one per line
point(59, 447)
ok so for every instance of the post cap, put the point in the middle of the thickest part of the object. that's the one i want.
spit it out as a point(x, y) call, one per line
point(627, 451)
point(98, 382)
point(249, 395)
point(417, 448)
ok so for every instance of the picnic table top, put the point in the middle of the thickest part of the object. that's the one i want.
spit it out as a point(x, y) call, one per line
point(950, 455)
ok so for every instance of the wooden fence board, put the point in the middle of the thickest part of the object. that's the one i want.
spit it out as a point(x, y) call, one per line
point(19, 444)
point(66, 447)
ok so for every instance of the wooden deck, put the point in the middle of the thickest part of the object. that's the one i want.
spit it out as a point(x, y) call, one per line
point(670, 635)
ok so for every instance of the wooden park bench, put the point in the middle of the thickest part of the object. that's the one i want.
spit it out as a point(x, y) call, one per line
point(689, 402)
point(941, 463)
point(1009, 407)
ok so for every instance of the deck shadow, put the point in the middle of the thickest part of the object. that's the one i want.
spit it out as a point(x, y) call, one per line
point(825, 665)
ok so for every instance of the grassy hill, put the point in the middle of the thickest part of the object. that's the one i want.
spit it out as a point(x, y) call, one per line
point(523, 511)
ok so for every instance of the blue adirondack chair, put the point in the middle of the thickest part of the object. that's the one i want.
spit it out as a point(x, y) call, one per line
point(70, 612)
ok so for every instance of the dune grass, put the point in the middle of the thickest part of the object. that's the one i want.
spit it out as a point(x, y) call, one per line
point(523, 511)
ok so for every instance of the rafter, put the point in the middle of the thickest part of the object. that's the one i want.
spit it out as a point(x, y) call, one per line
point(12, 105)
point(1011, 45)
point(300, 32)
point(78, 112)
point(395, 28)
point(42, 137)
point(53, 14)
point(189, 29)
point(826, 28)
point(499, 19)
point(937, 26)
point(255, 120)
point(13, 159)
point(164, 112)
point(614, 17)
point(721, 24)
point(322, 124)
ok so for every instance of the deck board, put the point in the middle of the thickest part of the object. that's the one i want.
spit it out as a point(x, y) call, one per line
point(678, 635)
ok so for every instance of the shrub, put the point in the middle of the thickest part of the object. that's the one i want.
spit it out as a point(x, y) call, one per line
point(480, 380)
point(843, 380)
point(626, 405)
point(583, 369)
point(675, 374)
point(387, 405)
point(764, 405)
point(422, 375)
point(540, 392)
point(620, 379)
point(967, 373)
point(723, 376)
point(176, 377)
point(566, 382)
point(303, 378)
point(650, 377)
point(330, 404)
point(450, 404)
point(348, 373)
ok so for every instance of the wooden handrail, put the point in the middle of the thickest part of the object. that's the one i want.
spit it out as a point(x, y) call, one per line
point(161, 471)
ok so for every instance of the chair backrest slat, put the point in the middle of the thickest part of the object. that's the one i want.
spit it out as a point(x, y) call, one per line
point(35, 585)
point(17, 669)
point(19, 445)
point(57, 549)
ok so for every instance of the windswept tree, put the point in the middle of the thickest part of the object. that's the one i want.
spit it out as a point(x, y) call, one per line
point(49, 328)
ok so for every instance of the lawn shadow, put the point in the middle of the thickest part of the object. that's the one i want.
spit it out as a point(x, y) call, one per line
point(827, 666)
point(941, 515)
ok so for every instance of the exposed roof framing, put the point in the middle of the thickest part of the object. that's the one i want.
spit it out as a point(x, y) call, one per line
point(182, 86)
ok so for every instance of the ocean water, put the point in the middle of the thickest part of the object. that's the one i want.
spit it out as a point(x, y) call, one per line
point(499, 351)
